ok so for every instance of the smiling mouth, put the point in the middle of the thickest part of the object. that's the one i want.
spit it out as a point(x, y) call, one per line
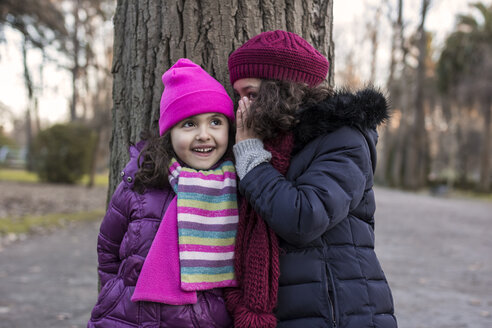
point(203, 150)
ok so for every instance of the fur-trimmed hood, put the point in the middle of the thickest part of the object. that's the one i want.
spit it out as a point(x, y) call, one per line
point(364, 109)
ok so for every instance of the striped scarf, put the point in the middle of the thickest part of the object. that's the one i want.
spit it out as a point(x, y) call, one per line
point(193, 248)
point(207, 224)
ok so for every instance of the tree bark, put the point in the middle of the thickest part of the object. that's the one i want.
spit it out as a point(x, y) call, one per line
point(150, 35)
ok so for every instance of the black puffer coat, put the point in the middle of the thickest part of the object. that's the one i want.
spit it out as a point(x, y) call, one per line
point(323, 212)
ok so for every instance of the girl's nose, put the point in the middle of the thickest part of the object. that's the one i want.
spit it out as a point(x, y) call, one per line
point(203, 134)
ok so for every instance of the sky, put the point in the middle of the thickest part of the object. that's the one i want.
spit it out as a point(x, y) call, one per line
point(350, 17)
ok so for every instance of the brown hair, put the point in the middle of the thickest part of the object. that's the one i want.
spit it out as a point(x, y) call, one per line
point(273, 111)
point(153, 162)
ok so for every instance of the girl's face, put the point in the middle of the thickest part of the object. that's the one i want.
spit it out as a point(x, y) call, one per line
point(201, 140)
point(247, 87)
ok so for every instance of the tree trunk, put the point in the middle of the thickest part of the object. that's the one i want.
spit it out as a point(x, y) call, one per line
point(395, 42)
point(75, 69)
point(373, 31)
point(93, 160)
point(389, 138)
point(30, 95)
point(461, 156)
point(397, 160)
point(415, 173)
point(485, 180)
point(150, 35)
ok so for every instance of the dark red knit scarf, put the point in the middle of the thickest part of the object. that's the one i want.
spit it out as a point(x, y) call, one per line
point(256, 259)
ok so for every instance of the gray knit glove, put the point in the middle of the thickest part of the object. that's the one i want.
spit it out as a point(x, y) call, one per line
point(249, 153)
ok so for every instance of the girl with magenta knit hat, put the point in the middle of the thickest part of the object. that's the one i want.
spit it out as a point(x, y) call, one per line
point(305, 156)
point(166, 244)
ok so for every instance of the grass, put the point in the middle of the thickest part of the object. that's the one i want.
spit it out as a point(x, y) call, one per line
point(16, 175)
point(101, 180)
point(472, 194)
point(30, 223)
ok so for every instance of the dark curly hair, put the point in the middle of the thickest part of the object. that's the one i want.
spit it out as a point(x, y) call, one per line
point(155, 157)
point(153, 162)
point(273, 110)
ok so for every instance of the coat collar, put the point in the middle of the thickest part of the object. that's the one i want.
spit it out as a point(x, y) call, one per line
point(364, 109)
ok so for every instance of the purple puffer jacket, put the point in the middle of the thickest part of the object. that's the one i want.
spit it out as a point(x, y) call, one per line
point(127, 231)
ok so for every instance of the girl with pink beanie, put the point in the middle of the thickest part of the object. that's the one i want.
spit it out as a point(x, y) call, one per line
point(166, 244)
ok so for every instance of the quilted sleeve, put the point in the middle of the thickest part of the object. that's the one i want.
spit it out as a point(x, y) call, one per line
point(321, 197)
point(113, 228)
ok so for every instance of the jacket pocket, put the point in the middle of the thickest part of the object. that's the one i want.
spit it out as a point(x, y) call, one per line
point(212, 310)
point(131, 269)
point(108, 297)
point(331, 295)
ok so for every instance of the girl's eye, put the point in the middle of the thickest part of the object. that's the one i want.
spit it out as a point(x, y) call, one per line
point(216, 121)
point(188, 124)
point(252, 95)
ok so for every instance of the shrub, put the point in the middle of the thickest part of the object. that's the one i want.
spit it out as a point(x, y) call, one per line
point(5, 140)
point(61, 153)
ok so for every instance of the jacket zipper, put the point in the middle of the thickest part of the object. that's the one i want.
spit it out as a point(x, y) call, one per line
point(332, 311)
point(330, 298)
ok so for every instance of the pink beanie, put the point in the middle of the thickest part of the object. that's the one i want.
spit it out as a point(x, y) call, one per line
point(278, 55)
point(189, 91)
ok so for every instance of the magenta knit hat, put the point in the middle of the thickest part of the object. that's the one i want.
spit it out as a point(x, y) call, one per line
point(189, 91)
point(278, 55)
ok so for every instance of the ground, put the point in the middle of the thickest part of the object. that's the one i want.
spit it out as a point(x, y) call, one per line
point(33, 200)
point(435, 253)
point(19, 199)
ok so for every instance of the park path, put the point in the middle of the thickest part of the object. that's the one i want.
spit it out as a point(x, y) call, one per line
point(436, 252)
point(437, 255)
point(50, 280)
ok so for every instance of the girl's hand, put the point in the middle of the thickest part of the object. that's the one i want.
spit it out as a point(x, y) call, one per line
point(242, 131)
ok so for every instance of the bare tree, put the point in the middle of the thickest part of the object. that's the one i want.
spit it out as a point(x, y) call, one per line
point(349, 75)
point(151, 35)
point(87, 17)
point(41, 23)
point(386, 149)
point(416, 169)
point(30, 95)
point(391, 164)
point(373, 32)
point(397, 34)
point(101, 103)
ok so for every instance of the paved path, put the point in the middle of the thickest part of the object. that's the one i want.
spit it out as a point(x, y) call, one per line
point(437, 255)
point(50, 281)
